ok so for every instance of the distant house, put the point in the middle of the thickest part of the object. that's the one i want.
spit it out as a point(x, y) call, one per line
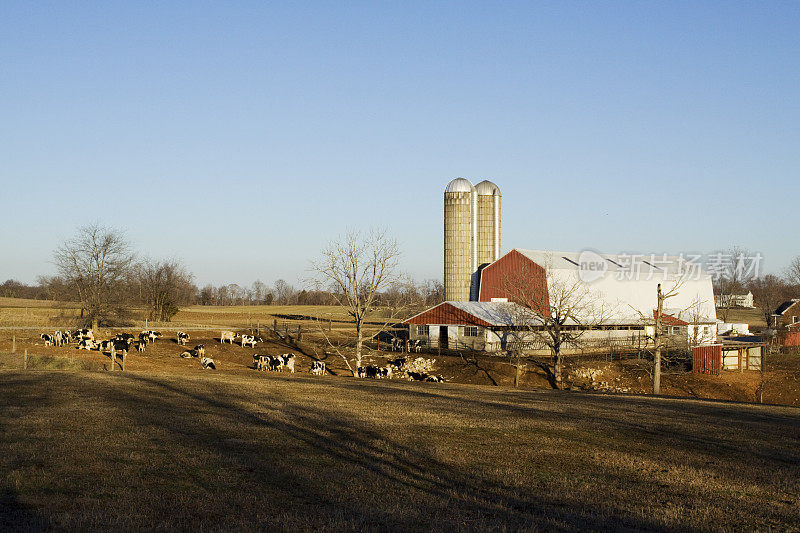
point(788, 313)
point(734, 300)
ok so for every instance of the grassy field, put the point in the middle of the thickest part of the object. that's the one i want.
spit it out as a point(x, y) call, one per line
point(86, 450)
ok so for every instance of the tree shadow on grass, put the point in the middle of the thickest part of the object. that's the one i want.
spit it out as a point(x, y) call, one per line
point(452, 496)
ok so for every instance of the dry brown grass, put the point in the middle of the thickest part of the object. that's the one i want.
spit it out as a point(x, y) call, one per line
point(199, 450)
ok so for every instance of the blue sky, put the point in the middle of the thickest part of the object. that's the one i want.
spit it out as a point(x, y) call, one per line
point(240, 137)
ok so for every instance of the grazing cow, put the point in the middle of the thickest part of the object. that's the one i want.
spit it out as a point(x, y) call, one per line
point(84, 333)
point(226, 336)
point(182, 338)
point(260, 361)
point(275, 364)
point(155, 335)
point(207, 363)
point(318, 368)
point(140, 346)
point(122, 345)
point(186, 355)
point(288, 361)
point(104, 345)
point(58, 338)
point(249, 339)
point(48, 339)
point(144, 337)
point(200, 350)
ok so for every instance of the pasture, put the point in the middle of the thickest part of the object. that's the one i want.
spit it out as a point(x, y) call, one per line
point(87, 450)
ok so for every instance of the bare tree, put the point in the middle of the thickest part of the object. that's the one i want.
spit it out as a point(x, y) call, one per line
point(164, 286)
point(769, 292)
point(731, 276)
point(793, 272)
point(356, 269)
point(555, 310)
point(95, 263)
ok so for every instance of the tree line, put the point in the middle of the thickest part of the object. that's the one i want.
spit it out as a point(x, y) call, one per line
point(98, 269)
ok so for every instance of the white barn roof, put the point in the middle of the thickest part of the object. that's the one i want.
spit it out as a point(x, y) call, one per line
point(627, 285)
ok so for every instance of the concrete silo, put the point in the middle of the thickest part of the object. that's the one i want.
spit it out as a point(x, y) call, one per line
point(488, 222)
point(460, 239)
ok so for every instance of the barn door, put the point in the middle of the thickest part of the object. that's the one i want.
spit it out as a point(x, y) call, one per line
point(443, 341)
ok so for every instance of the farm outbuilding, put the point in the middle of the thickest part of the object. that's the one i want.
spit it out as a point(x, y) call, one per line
point(729, 355)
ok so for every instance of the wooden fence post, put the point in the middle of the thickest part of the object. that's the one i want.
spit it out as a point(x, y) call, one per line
point(113, 358)
point(299, 332)
point(25, 360)
point(124, 353)
point(14, 344)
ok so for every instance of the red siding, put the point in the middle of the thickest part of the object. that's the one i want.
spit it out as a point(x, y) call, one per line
point(514, 270)
point(707, 359)
point(446, 314)
point(791, 339)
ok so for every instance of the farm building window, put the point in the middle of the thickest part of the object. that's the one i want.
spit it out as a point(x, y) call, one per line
point(794, 320)
point(423, 330)
point(470, 331)
point(676, 330)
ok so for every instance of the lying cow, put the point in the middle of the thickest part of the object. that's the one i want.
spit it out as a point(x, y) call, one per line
point(207, 363)
point(182, 338)
point(186, 355)
point(318, 368)
point(226, 336)
point(87, 344)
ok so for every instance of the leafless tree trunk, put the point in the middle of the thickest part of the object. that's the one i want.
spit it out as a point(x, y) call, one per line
point(355, 270)
point(555, 309)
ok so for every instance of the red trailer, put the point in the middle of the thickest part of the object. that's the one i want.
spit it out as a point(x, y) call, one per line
point(707, 359)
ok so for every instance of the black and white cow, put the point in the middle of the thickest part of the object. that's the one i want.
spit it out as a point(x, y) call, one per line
point(275, 364)
point(226, 336)
point(249, 340)
point(87, 344)
point(200, 350)
point(207, 363)
point(144, 338)
point(140, 346)
point(385, 372)
point(182, 338)
point(260, 361)
point(288, 361)
point(122, 345)
point(435, 379)
point(48, 339)
point(186, 355)
point(318, 368)
point(84, 333)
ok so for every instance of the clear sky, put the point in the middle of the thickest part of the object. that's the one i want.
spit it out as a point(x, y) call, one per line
point(240, 137)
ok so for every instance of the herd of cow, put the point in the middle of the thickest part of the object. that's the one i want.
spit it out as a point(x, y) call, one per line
point(122, 343)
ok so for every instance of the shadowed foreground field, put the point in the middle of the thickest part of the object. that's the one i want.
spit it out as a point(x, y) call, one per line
point(220, 451)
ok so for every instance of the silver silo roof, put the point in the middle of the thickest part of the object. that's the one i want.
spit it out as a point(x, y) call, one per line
point(487, 188)
point(459, 185)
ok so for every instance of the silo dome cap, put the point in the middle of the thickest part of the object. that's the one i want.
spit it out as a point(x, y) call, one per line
point(459, 185)
point(487, 188)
